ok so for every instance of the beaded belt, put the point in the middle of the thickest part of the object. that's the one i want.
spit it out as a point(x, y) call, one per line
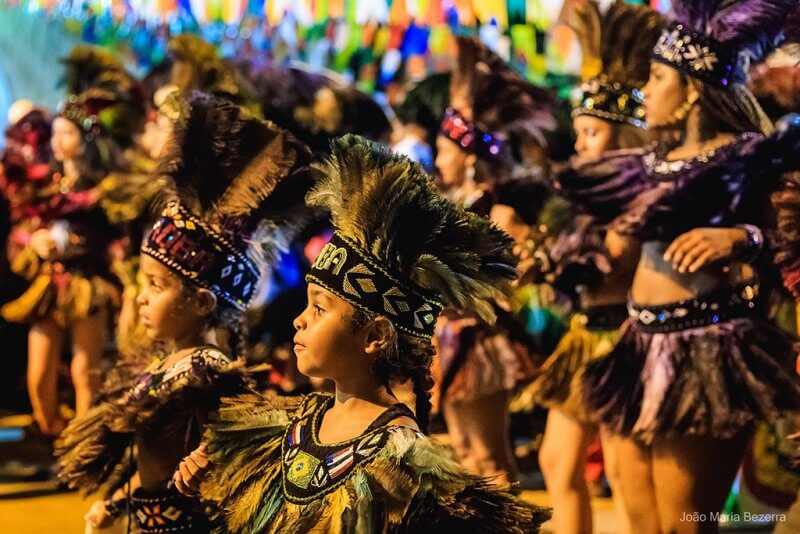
point(722, 304)
point(167, 512)
point(605, 317)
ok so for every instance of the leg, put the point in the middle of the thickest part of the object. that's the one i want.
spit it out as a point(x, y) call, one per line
point(44, 348)
point(693, 475)
point(487, 423)
point(611, 464)
point(563, 462)
point(635, 469)
point(87, 347)
point(459, 439)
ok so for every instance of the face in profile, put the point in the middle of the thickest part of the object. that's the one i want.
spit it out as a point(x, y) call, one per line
point(594, 136)
point(506, 218)
point(451, 162)
point(166, 310)
point(665, 92)
point(66, 140)
point(326, 343)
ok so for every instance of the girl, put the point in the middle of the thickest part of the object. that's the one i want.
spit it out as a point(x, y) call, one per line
point(357, 460)
point(697, 362)
point(234, 182)
point(66, 257)
point(478, 364)
point(598, 269)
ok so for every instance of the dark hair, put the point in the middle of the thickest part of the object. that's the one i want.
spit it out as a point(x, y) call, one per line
point(224, 320)
point(731, 110)
point(408, 359)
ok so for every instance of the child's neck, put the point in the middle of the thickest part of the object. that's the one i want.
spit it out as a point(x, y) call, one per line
point(352, 394)
point(187, 342)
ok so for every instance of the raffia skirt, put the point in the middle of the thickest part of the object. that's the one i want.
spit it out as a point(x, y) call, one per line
point(706, 367)
point(64, 292)
point(557, 383)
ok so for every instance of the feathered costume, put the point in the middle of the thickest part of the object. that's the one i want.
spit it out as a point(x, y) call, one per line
point(476, 360)
point(236, 194)
point(711, 365)
point(73, 283)
point(615, 47)
point(400, 250)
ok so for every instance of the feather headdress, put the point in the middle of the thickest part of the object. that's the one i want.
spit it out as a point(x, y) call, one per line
point(103, 98)
point(196, 66)
point(498, 97)
point(401, 249)
point(315, 107)
point(717, 40)
point(236, 193)
point(616, 47)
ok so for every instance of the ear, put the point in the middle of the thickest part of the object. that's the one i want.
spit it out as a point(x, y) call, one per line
point(206, 302)
point(471, 160)
point(380, 335)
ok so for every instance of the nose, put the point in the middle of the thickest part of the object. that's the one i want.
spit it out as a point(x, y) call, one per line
point(141, 300)
point(299, 322)
point(579, 145)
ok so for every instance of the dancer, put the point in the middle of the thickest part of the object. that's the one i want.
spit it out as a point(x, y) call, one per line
point(236, 190)
point(357, 461)
point(66, 257)
point(594, 267)
point(478, 363)
point(697, 362)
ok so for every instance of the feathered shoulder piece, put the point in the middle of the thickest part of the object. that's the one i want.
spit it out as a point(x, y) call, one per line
point(410, 249)
point(196, 66)
point(93, 451)
point(616, 47)
point(270, 474)
point(717, 40)
point(235, 198)
point(494, 96)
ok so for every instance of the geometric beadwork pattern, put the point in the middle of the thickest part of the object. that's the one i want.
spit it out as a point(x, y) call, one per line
point(354, 275)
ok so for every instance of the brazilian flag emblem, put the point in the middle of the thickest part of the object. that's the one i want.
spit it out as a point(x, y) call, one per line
point(302, 469)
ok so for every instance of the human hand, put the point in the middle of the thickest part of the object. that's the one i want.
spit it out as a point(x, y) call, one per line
point(191, 471)
point(99, 516)
point(42, 243)
point(697, 248)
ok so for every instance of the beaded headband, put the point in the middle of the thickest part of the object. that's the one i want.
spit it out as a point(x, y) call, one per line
point(468, 136)
point(201, 255)
point(698, 56)
point(611, 101)
point(354, 275)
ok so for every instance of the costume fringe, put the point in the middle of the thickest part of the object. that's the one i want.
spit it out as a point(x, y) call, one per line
point(412, 485)
point(558, 383)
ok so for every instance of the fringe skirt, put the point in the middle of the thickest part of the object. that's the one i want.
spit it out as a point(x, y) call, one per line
point(475, 360)
point(62, 291)
point(557, 383)
point(709, 366)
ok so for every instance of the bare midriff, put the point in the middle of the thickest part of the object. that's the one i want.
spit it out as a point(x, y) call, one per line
point(657, 282)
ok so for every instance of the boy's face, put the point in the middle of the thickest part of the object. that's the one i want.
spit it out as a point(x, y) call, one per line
point(326, 344)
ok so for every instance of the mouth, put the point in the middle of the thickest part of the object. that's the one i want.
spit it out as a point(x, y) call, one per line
point(298, 346)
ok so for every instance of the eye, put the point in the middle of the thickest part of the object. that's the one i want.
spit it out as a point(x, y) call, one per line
point(318, 311)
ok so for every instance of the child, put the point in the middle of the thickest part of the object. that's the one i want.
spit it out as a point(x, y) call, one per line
point(358, 461)
point(234, 181)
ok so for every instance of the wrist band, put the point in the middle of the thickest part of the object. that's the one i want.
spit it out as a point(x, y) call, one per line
point(755, 242)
